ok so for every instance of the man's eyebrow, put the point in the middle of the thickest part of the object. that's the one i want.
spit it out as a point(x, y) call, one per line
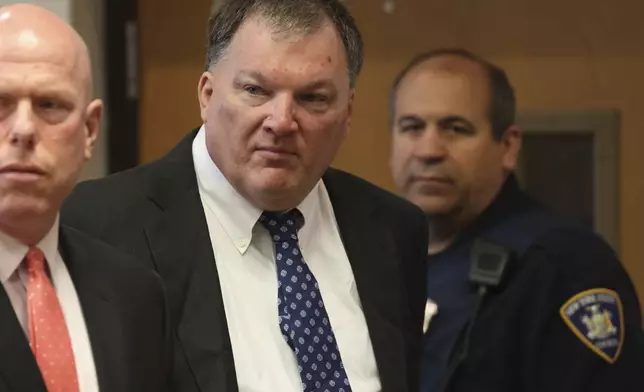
point(255, 75)
point(320, 83)
point(409, 118)
point(456, 118)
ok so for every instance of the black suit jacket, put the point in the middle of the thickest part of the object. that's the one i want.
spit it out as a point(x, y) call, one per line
point(125, 314)
point(155, 213)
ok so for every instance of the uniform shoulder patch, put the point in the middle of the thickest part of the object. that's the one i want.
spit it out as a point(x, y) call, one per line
point(596, 317)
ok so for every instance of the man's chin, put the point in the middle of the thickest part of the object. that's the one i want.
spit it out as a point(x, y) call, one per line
point(275, 178)
point(273, 181)
point(276, 189)
point(434, 206)
point(23, 204)
point(27, 221)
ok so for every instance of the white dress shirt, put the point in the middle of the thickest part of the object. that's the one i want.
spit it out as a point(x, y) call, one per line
point(14, 276)
point(245, 259)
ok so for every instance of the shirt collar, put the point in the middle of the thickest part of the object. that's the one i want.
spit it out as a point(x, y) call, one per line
point(12, 251)
point(236, 214)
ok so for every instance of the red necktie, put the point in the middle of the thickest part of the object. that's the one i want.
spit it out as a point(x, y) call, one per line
point(48, 335)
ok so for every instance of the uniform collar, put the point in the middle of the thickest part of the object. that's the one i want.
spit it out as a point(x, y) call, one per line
point(509, 200)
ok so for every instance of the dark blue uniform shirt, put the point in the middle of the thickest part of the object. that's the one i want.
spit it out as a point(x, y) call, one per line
point(566, 318)
point(449, 288)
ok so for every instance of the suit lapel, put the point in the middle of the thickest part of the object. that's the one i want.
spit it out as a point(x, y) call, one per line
point(181, 248)
point(18, 368)
point(371, 251)
point(102, 318)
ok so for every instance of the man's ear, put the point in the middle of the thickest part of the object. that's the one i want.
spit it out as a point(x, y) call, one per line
point(349, 112)
point(511, 142)
point(204, 92)
point(93, 119)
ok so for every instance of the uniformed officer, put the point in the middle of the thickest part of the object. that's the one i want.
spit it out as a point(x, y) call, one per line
point(519, 298)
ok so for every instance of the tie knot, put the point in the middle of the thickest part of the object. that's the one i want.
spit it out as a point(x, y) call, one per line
point(282, 226)
point(35, 260)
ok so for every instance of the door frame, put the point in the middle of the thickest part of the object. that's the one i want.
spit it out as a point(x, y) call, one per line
point(122, 83)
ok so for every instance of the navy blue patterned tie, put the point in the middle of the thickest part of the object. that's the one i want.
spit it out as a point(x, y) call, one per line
point(303, 319)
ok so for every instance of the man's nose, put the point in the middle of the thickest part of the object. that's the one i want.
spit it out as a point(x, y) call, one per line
point(430, 146)
point(281, 119)
point(22, 131)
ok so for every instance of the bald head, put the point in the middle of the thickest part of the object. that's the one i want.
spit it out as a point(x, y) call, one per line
point(32, 33)
point(48, 119)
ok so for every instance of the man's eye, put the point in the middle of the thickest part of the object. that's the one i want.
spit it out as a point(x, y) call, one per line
point(407, 128)
point(48, 104)
point(5, 100)
point(458, 128)
point(313, 97)
point(253, 90)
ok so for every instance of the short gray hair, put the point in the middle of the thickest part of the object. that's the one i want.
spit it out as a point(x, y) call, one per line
point(287, 16)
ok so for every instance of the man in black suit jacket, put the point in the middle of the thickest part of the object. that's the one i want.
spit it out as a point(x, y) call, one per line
point(249, 314)
point(77, 315)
